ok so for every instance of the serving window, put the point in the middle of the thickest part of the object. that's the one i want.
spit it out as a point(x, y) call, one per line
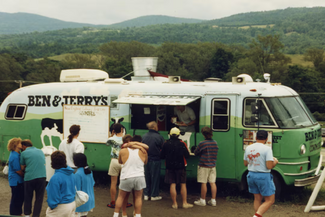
point(159, 108)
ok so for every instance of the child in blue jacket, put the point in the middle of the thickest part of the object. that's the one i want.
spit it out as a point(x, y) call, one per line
point(84, 182)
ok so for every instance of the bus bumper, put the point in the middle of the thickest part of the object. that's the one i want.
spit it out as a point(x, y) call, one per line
point(312, 179)
point(306, 181)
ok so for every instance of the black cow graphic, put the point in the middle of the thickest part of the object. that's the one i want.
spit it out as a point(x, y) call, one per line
point(115, 121)
point(51, 127)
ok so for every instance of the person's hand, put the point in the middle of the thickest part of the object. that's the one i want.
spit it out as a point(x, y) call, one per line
point(143, 150)
point(275, 160)
point(181, 124)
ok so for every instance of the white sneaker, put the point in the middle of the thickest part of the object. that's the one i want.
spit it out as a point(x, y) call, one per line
point(199, 202)
point(156, 198)
point(212, 203)
point(146, 197)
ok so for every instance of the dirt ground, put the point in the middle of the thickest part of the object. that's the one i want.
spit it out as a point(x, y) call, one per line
point(225, 207)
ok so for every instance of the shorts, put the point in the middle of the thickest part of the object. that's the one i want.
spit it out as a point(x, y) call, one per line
point(175, 176)
point(135, 183)
point(260, 183)
point(114, 168)
point(205, 174)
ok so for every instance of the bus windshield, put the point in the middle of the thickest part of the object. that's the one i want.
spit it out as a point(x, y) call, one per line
point(289, 112)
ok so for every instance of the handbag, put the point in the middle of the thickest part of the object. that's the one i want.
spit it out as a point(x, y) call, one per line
point(6, 168)
point(81, 198)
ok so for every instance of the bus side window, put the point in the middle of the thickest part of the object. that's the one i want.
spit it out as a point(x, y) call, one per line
point(16, 112)
point(220, 114)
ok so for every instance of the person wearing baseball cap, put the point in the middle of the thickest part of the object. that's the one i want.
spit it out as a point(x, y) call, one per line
point(259, 159)
point(175, 152)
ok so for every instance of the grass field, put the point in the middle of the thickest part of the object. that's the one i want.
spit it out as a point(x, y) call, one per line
point(297, 59)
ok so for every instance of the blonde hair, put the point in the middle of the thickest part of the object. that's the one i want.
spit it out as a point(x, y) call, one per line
point(12, 143)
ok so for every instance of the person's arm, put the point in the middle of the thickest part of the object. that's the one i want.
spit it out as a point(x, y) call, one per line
point(272, 164)
point(146, 158)
point(53, 193)
point(245, 163)
point(23, 167)
point(120, 158)
point(197, 151)
point(78, 181)
point(80, 148)
point(136, 145)
point(162, 152)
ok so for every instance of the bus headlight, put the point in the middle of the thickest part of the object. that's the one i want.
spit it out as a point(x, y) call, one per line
point(302, 149)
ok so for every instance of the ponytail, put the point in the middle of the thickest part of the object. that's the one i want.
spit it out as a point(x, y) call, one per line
point(74, 130)
point(87, 170)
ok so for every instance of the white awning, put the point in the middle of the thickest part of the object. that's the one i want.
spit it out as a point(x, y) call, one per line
point(156, 99)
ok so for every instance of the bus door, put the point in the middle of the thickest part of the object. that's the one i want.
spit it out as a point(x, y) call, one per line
point(223, 115)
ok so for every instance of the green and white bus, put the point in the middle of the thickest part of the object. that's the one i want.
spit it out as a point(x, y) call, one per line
point(234, 110)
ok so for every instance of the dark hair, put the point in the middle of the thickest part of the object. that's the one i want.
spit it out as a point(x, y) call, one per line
point(127, 138)
point(80, 160)
point(117, 127)
point(58, 160)
point(27, 143)
point(261, 135)
point(74, 130)
point(136, 138)
point(207, 132)
point(174, 136)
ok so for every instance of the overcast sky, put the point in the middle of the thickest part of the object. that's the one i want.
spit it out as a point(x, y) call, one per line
point(114, 11)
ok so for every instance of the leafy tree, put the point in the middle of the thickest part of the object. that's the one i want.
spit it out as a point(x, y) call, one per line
point(220, 63)
point(266, 54)
point(10, 71)
point(306, 82)
point(314, 55)
point(77, 61)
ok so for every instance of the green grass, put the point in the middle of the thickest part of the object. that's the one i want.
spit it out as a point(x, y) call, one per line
point(297, 59)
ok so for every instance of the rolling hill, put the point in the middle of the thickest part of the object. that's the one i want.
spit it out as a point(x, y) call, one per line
point(19, 23)
point(153, 20)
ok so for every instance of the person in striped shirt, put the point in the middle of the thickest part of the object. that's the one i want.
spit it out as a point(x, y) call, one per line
point(206, 172)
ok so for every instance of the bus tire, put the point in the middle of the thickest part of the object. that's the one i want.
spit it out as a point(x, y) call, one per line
point(278, 182)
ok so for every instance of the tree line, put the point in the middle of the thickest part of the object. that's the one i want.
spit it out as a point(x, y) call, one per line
point(194, 61)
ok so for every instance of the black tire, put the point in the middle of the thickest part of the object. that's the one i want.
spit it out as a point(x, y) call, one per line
point(278, 182)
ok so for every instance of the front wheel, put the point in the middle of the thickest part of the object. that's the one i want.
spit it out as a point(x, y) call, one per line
point(278, 182)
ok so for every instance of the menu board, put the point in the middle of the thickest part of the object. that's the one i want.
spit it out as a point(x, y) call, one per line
point(249, 137)
point(93, 121)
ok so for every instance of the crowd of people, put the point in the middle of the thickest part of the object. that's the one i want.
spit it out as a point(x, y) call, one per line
point(135, 164)
point(27, 177)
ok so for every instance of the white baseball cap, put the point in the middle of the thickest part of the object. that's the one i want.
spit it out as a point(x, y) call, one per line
point(174, 131)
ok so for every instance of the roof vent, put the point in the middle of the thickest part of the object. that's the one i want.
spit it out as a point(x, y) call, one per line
point(73, 75)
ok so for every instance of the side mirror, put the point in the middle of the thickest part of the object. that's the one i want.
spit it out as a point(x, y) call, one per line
point(254, 119)
point(255, 107)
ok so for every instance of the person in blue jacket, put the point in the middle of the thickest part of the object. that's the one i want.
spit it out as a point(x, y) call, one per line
point(84, 182)
point(61, 190)
point(15, 177)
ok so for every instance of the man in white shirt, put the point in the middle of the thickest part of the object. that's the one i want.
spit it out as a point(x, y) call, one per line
point(186, 118)
point(259, 159)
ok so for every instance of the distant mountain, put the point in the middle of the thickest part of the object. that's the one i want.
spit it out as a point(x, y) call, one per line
point(306, 15)
point(153, 20)
point(18, 23)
